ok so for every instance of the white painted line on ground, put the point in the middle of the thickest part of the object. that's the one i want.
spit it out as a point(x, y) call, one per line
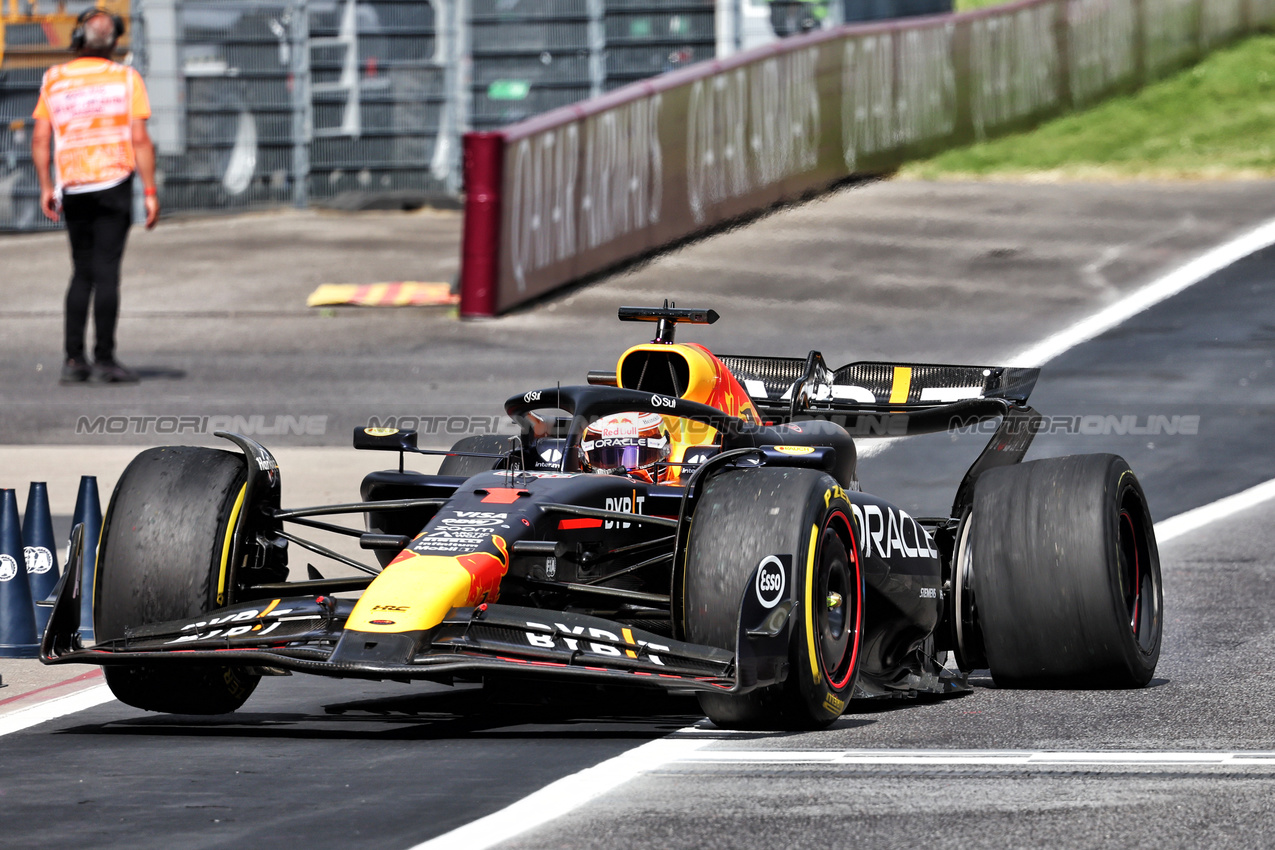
point(565, 795)
point(986, 758)
point(25, 718)
point(1184, 523)
point(1209, 263)
point(1143, 298)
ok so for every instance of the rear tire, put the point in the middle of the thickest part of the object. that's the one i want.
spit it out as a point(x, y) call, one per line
point(468, 466)
point(742, 518)
point(164, 555)
point(1066, 574)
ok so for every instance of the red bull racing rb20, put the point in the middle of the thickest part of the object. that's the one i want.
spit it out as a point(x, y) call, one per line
point(689, 521)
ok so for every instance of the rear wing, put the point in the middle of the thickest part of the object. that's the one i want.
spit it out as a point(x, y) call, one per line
point(785, 388)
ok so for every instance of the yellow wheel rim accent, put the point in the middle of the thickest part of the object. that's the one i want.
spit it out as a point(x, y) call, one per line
point(815, 674)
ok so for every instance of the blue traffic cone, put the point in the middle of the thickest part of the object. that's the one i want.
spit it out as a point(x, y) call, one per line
point(41, 553)
point(88, 510)
point(17, 615)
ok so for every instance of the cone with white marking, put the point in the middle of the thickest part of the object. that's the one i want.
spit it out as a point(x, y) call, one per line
point(17, 615)
point(40, 551)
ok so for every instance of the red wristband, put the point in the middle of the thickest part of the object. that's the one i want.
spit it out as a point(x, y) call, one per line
point(150, 191)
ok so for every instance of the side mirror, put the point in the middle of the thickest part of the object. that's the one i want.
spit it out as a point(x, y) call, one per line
point(385, 439)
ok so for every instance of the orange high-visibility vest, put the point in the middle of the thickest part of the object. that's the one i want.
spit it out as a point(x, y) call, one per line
point(91, 104)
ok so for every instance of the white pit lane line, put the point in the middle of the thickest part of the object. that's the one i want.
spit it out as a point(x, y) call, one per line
point(1185, 523)
point(52, 709)
point(1183, 277)
point(988, 758)
point(567, 794)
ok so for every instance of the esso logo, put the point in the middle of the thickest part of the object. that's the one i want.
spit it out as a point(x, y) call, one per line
point(663, 401)
point(534, 395)
point(772, 580)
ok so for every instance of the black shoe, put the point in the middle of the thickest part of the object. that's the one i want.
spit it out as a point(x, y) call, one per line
point(76, 371)
point(110, 372)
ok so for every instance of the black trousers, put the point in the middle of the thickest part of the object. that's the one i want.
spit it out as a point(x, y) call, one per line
point(98, 225)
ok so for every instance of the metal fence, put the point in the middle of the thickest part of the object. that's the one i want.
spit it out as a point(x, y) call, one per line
point(19, 190)
point(259, 103)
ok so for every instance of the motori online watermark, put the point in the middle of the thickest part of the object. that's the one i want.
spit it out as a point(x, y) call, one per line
point(462, 425)
point(859, 425)
point(254, 425)
point(452, 425)
point(1095, 425)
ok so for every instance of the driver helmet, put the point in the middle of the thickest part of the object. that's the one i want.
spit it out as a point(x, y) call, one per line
point(626, 444)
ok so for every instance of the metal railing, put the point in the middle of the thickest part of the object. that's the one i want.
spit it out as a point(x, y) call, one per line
point(260, 103)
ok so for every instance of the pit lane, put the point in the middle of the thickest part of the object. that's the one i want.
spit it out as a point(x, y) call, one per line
point(355, 764)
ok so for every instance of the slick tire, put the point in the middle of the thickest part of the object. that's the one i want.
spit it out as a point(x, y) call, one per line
point(743, 517)
point(467, 466)
point(1065, 574)
point(164, 555)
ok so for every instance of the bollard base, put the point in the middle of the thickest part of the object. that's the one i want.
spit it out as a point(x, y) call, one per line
point(23, 650)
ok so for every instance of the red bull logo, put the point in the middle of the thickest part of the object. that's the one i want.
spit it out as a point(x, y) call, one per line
point(726, 394)
point(486, 571)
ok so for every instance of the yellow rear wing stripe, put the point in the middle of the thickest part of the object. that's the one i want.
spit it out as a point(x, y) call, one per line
point(902, 384)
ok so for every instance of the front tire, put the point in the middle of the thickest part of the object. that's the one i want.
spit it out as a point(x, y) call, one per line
point(164, 555)
point(1066, 574)
point(746, 516)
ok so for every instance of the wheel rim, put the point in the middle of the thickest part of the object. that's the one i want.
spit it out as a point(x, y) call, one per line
point(1138, 592)
point(1130, 570)
point(970, 653)
point(962, 560)
point(839, 607)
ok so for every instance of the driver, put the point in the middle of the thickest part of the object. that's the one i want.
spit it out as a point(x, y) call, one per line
point(626, 444)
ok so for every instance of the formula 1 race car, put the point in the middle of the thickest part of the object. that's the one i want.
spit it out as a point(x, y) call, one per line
point(690, 521)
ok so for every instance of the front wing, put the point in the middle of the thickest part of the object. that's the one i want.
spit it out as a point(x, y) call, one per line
point(307, 634)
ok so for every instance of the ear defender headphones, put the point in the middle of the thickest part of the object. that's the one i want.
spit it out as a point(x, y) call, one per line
point(77, 35)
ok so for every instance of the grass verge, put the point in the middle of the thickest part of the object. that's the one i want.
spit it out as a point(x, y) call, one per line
point(1215, 120)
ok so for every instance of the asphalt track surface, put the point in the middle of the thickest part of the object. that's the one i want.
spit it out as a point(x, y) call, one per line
point(388, 766)
point(212, 312)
